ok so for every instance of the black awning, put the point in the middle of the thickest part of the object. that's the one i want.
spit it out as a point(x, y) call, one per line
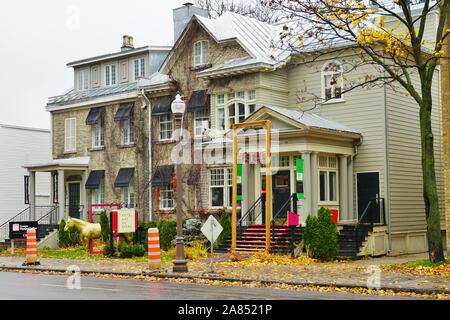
point(124, 112)
point(124, 178)
point(94, 116)
point(162, 105)
point(163, 176)
point(94, 180)
point(197, 101)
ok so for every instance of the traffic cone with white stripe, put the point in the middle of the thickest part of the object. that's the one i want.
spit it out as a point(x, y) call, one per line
point(31, 251)
point(154, 250)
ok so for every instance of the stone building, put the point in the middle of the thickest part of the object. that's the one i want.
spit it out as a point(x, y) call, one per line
point(100, 133)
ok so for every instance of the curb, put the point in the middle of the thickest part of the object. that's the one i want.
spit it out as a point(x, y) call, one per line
point(227, 279)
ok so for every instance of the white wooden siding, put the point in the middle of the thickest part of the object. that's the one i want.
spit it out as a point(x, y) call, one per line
point(20, 147)
point(404, 155)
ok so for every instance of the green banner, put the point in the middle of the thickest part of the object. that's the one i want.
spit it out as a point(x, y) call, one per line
point(240, 197)
point(299, 178)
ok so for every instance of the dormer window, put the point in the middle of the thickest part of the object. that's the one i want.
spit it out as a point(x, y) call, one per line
point(139, 68)
point(110, 75)
point(332, 82)
point(83, 79)
point(201, 53)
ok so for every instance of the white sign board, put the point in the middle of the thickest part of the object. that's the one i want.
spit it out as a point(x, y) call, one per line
point(212, 229)
point(126, 221)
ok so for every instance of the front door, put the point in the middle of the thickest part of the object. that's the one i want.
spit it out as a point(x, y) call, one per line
point(281, 192)
point(74, 200)
point(368, 185)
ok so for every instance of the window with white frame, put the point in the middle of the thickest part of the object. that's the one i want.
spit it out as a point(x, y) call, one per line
point(217, 187)
point(128, 131)
point(201, 122)
point(332, 81)
point(328, 186)
point(201, 53)
point(128, 195)
point(221, 187)
point(166, 201)
point(110, 75)
point(98, 195)
point(165, 127)
point(70, 135)
point(220, 112)
point(234, 108)
point(83, 79)
point(139, 68)
point(98, 137)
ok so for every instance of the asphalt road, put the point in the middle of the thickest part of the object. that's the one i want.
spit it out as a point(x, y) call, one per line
point(27, 286)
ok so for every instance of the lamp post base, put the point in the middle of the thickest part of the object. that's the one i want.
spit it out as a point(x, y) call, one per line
point(180, 263)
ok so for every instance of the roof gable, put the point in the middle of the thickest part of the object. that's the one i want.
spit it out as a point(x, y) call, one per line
point(299, 119)
point(253, 36)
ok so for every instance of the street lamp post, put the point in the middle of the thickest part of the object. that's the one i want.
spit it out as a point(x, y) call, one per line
point(180, 264)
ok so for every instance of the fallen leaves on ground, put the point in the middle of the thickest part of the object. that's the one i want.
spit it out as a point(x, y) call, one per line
point(421, 268)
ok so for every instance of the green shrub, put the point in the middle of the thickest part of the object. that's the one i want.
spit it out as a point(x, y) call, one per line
point(70, 238)
point(225, 222)
point(104, 224)
point(127, 250)
point(321, 236)
point(139, 250)
point(167, 233)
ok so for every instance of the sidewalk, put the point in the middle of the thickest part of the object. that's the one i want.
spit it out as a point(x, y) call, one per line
point(340, 274)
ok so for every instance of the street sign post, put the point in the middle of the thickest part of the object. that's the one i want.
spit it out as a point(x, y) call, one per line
point(212, 230)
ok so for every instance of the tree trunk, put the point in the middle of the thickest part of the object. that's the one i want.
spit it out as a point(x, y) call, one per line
point(430, 194)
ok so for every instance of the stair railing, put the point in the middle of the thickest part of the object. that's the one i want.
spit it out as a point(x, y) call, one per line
point(378, 201)
point(24, 215)
point(292, 203)
point(51, 218)
point(253, 213)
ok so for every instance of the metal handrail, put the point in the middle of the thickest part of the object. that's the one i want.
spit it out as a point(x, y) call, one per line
point(361, 219)
point(51, 215)
point(252, 209)
point(282, 209)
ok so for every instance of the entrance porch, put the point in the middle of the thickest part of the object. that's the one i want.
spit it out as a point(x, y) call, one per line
point(67, 186)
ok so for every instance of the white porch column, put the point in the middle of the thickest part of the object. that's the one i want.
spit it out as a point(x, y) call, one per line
point(245, 205)
point(258, 187)
point(350, 177)
point(83, 194)
point(314, 183)
point(61, 196)
point(32, 195)
point(307, 184)
point(343, 189)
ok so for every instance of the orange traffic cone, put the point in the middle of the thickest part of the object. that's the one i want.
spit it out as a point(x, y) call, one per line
point(154, 251)
point(31, 251)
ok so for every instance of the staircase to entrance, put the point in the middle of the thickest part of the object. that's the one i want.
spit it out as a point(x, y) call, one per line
point(46, 216)
point(251, 236)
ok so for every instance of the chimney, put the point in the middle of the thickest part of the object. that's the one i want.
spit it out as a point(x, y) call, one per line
point(182, 16)
point(127, 43)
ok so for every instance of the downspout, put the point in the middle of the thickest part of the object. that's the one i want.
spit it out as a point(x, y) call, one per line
point(148, 104)
point(388, 176)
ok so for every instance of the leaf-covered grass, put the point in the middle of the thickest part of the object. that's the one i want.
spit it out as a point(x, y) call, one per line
point(422, 267)
point(77, 253)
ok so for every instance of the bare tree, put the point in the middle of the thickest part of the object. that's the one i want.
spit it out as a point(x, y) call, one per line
point(251, 8)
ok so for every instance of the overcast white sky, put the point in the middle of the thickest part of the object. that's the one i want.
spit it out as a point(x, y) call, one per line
point(38, 39)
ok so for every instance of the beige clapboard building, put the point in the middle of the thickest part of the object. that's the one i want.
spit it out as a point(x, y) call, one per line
point(358, 148)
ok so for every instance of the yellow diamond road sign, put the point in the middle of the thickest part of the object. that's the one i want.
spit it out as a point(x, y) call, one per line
point(212, 229)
